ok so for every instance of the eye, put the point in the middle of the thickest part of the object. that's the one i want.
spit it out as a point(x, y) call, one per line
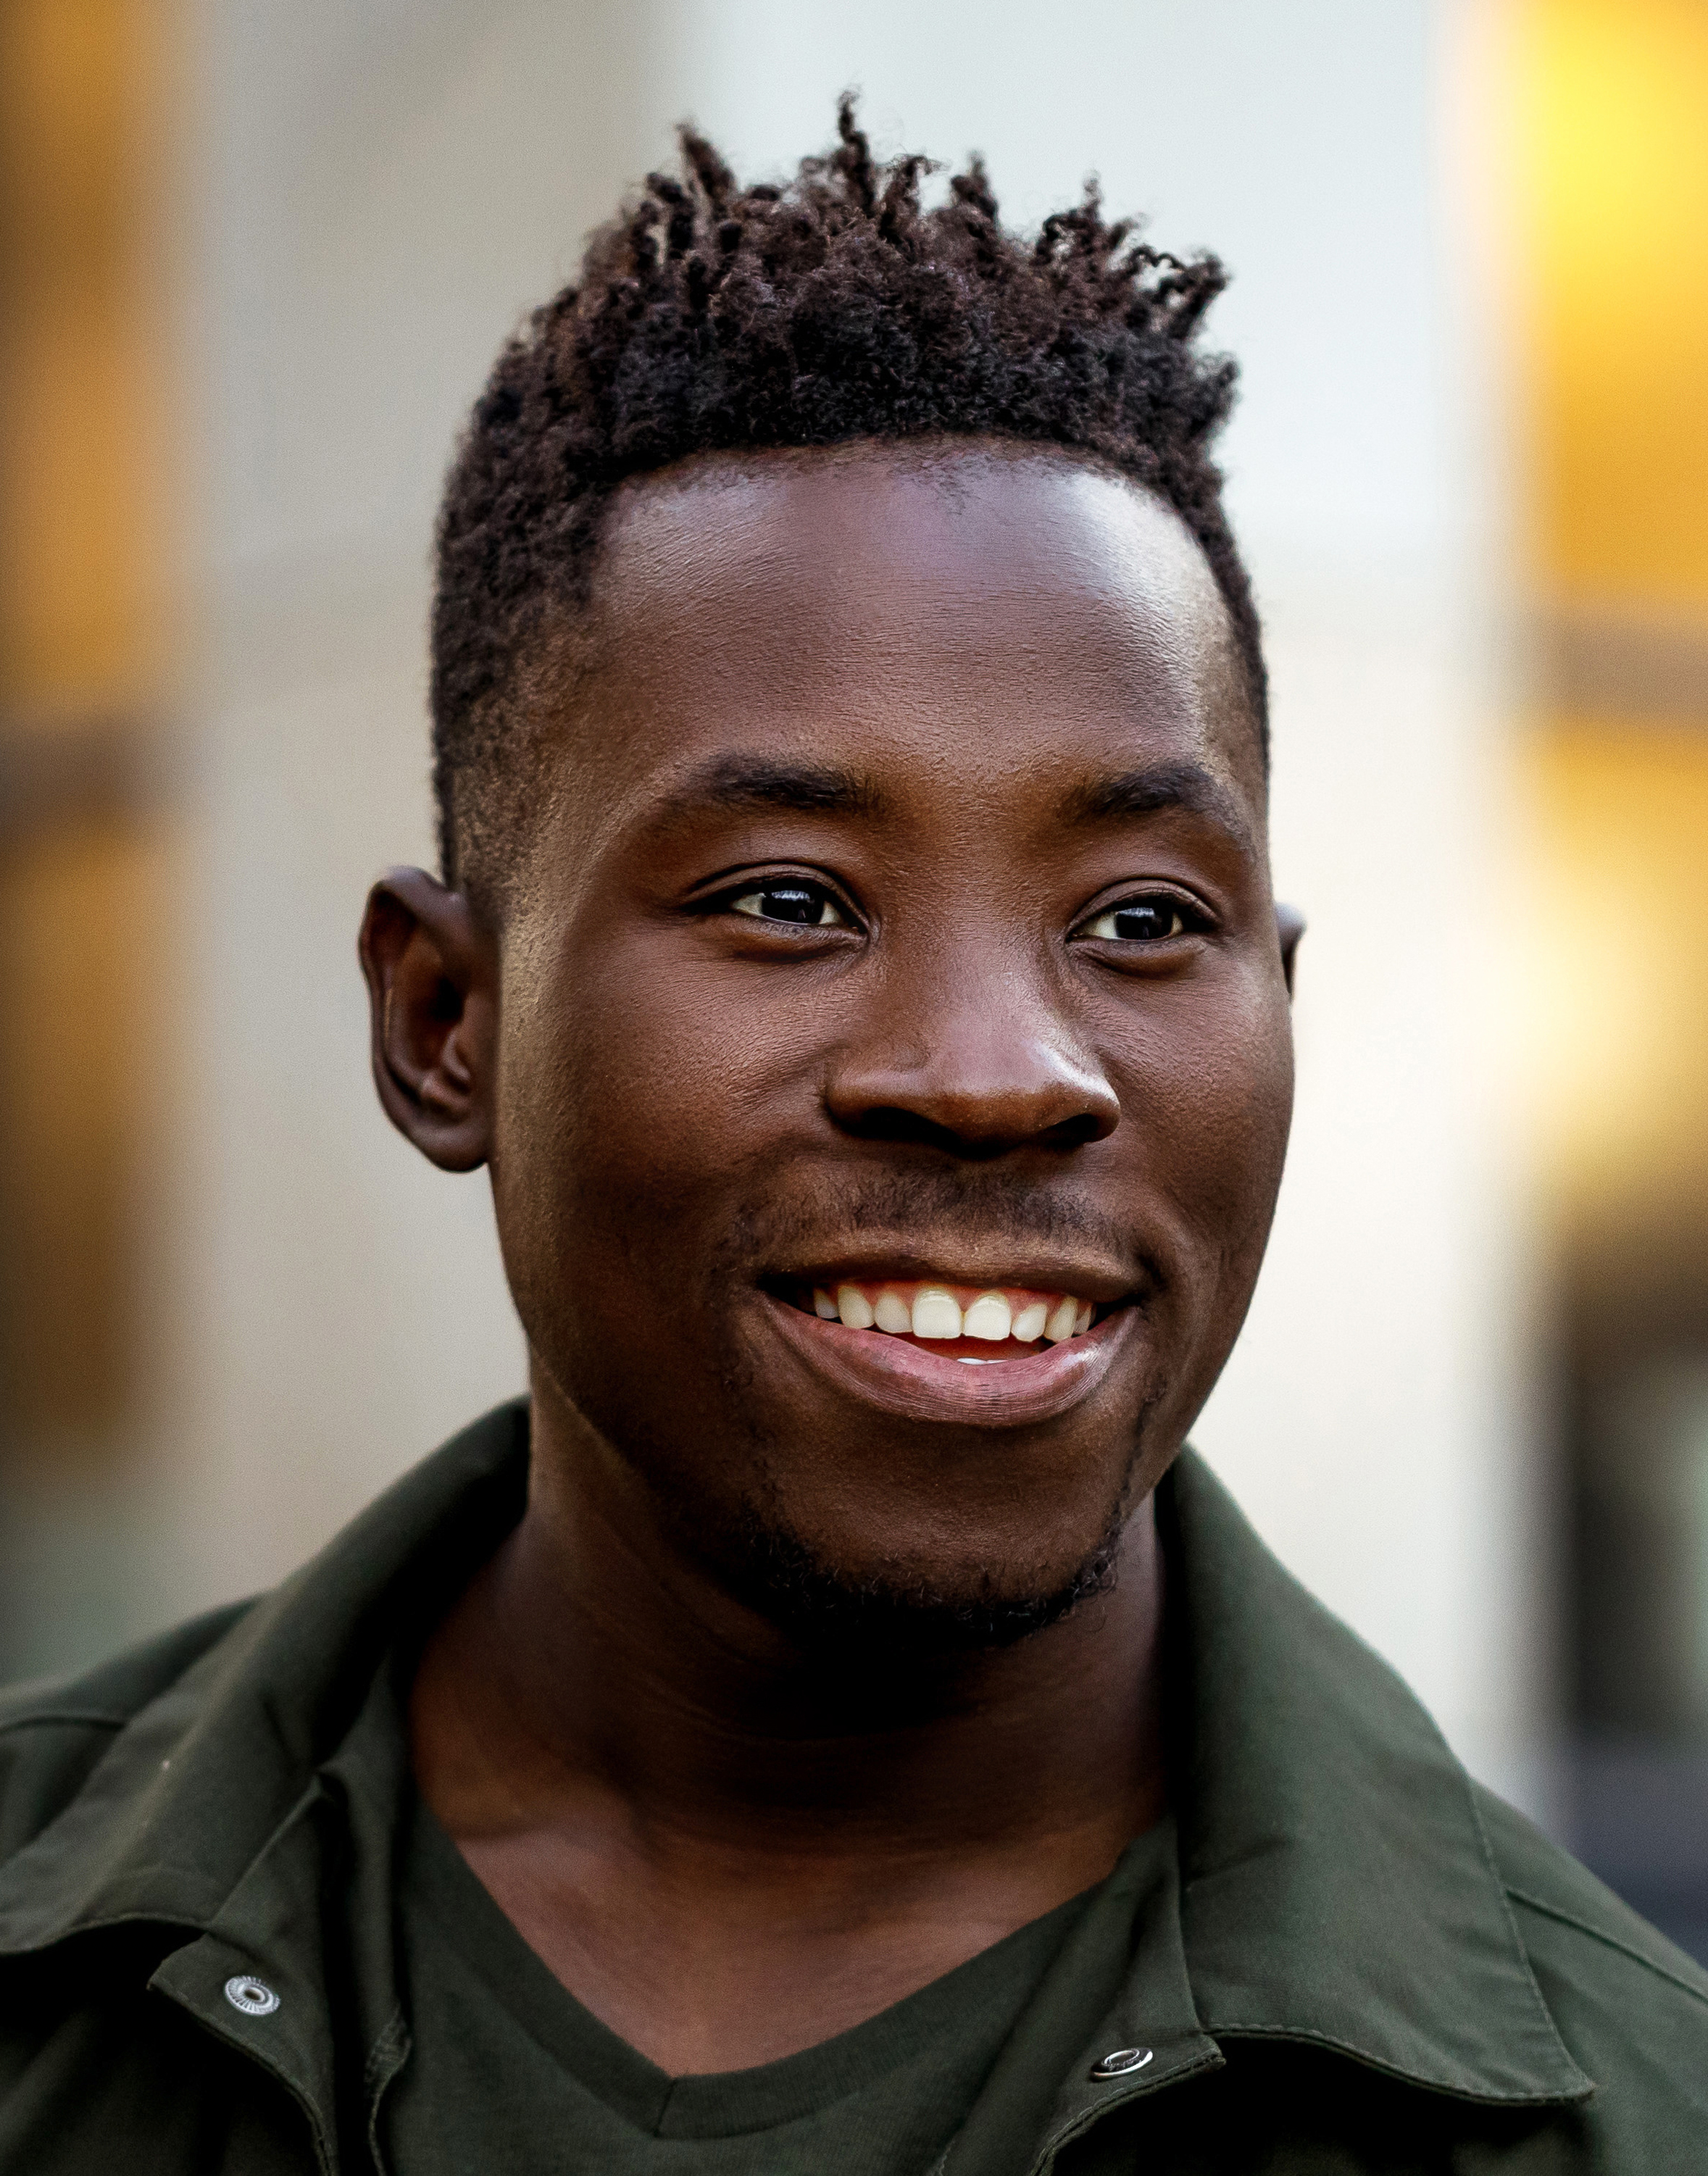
point(1150, 921)
point(789, 899)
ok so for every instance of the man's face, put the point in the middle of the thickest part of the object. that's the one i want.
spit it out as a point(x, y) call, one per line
point(895, 931)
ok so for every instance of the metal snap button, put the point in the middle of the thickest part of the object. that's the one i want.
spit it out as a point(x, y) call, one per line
point(1121, 2062)
point(252, 1996)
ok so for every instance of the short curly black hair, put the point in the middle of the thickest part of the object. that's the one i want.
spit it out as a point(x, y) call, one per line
point(834, 308)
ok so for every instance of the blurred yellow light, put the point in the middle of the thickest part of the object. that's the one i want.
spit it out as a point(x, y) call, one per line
point(83, 488)
point(1613, 165)
point(1617, 961)
point(1612, 135)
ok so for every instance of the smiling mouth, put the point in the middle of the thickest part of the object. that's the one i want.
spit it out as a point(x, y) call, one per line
point(935, 1351)
point(977, 1325)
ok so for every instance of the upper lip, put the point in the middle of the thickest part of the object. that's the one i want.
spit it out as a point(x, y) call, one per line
point(984, 1267)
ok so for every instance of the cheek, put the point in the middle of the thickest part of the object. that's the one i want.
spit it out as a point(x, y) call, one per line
point(629, 1106)
point(1210, 1099)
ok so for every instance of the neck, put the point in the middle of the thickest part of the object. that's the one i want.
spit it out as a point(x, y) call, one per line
point(592, 1651)
point(609, 1734)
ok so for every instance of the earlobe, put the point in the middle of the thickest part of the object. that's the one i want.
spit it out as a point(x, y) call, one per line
point(1290, 927)
point(432, 983)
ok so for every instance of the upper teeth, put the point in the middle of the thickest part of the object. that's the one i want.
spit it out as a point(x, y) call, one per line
point(940, 1313)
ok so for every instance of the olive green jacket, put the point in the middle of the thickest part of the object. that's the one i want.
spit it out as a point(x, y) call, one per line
point(1367, 1963)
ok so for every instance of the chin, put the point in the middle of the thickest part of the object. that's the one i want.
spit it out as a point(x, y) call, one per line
point(905, 1612)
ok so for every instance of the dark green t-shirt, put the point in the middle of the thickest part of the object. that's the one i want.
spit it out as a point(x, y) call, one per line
point(508, 2073)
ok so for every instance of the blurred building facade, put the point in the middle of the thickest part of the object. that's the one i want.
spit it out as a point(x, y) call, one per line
point(90, 1013)
point(1611, 132)
point(346, 208)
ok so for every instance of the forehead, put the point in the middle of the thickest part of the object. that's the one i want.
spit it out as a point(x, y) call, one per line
point(970, 603)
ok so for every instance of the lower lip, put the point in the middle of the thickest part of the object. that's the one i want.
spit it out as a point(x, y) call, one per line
point(915, 1384)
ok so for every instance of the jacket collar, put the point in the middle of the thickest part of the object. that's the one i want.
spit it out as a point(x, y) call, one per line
point(203, 1778)
point(220, 1808)
point(1336, 1886)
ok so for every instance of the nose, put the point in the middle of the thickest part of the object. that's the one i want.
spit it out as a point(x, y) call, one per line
point(978, 1069)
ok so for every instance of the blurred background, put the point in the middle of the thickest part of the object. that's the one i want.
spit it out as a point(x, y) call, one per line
point(255, 259)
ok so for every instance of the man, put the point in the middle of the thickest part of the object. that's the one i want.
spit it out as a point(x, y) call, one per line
point(831, 1725)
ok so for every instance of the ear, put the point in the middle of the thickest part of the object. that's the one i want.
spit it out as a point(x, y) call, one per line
point(1289, 928)
point(433, 983)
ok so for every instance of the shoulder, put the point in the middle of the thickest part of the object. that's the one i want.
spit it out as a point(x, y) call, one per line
point(1632, 2008)
point(1549, 1890)
point(53, 1732)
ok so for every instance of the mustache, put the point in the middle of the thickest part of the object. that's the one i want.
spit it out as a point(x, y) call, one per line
point(938, 1206)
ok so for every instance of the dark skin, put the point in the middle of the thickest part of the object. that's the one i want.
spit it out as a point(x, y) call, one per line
point(810, 969)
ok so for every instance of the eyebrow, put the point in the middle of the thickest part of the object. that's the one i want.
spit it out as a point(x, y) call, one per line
point(1150, 790)
point(738, 782)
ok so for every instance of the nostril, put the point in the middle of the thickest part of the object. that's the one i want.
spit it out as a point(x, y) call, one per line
point(1076, 1133)
point(977, 1140)
point(891, 1122)
point(974, 1103)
